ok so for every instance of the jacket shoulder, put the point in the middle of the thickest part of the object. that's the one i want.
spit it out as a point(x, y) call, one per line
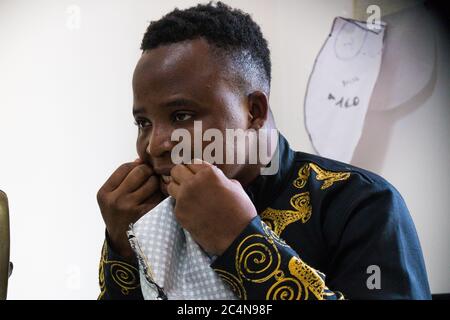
point(332, 173)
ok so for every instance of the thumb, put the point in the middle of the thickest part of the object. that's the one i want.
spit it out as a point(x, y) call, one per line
point(197, 165)
point(236, 182)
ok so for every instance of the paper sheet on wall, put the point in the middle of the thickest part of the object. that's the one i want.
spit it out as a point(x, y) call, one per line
point(340, 87)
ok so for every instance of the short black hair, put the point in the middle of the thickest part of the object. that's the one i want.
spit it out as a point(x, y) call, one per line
point(233, 33)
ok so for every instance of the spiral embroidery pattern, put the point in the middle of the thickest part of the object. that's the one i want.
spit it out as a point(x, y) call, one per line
point(123, 274)
point(285, 289)
point(257, 260)
point(234, 283)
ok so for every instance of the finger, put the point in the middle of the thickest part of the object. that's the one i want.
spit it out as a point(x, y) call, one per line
point(146, 190)
point(238, 184)
point(173, 189)
point(143, 209)
point(149, 203)
point(198, 165)
point(135, 179)
point(181, 173)
point(118, 176)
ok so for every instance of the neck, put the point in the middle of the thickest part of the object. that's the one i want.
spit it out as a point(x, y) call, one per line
point(252, 172)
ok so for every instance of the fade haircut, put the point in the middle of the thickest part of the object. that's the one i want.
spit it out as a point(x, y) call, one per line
point(232, 35)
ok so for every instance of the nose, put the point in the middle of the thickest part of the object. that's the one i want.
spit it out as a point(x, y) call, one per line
point(159, 143)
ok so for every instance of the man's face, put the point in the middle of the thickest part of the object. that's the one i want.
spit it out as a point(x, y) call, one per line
point(175, 85)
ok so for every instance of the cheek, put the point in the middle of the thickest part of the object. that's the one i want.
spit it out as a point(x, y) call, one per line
point(231, 171)
point(141, 146)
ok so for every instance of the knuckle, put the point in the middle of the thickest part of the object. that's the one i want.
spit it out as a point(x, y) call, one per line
point(153, 182)
point(144, 170)
point(209, 174)
point(140, 170)
point(105, 200)
point(210, 171)
point(100, 195)
point(126, 166)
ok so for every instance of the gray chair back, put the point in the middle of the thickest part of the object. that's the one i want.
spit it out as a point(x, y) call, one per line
point(5, 266)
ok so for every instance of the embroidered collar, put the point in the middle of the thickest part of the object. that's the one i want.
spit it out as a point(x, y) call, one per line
point(265, 188)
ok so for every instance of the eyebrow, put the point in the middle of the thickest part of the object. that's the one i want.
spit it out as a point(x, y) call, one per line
point(181, 102)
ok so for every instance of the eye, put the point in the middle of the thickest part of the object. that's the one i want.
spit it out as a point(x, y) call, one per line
point(142, 123)
point(182, 116)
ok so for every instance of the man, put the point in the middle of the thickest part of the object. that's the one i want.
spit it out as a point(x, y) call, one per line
point(273, 236)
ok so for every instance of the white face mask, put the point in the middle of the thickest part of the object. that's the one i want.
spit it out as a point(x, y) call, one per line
point(171, 264)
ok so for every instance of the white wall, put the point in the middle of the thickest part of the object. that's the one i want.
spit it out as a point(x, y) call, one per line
point(66, 124)
point(409, 144)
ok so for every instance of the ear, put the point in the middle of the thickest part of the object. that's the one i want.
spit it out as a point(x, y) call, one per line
point(258, 109)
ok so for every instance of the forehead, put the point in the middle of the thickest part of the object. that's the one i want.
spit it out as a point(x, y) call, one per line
point(186, 67)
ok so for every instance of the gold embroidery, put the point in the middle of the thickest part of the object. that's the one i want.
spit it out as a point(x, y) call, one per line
point(301, 203)
point(328, 177)
point(233, 282)
point(303, 175)
point(290, 288)
point(257, 261)
point(123, 274)
point(260, 261)
point(285, 289)
point(278, 220)
point(272, 236)
point(310, 277)
point(101, 273)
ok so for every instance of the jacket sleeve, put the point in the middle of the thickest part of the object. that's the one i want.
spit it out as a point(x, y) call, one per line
point(119, 280)
point(261, 266)
point(373, 253)
point(374, 250)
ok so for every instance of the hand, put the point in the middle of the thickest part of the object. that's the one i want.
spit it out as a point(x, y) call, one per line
point(130, 192)
point(213, 208)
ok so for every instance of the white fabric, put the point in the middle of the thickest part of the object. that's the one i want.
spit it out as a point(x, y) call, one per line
point(174, 261)
point(340, 87)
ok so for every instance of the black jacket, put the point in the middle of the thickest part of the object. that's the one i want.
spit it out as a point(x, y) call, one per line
point(316, 217)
